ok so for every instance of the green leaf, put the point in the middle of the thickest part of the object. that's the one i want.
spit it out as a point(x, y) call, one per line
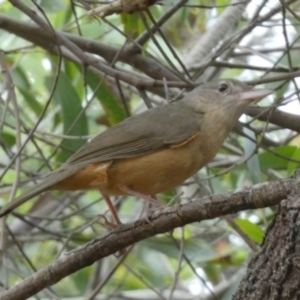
point(8, 138)
point(133, 25)
point(231, 73)
point(292, 166)
point(20, 78)
point(53, 6)
point(80, 281)
point(30, 99)
point(196, 251)
point(271, 161)
point(114, 109)
point(74, 118)
point(274, 86)
point(253, 231)
point(152, 266)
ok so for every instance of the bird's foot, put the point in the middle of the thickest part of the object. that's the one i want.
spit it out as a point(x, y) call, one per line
point(109, 224)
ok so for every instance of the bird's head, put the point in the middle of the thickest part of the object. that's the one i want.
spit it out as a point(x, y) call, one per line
point(225, 100)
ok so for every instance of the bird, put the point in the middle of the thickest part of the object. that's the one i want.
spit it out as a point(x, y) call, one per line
point(153, 151)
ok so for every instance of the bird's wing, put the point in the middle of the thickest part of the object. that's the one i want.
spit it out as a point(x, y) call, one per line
point(141, 134)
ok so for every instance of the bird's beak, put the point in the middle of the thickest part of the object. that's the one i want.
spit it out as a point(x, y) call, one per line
point(253, 95)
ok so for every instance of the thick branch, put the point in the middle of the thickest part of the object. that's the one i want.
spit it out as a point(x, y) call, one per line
point(225, 23)
point(162, 221)
point(275, 116)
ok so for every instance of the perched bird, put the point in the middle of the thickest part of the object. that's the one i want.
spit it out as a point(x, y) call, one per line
point(153, 151)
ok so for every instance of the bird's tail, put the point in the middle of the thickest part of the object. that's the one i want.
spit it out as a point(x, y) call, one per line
point(49, 181)
point(20, 200)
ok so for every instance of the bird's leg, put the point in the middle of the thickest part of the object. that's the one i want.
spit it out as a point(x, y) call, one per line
point(115, 217)
point(138, 194)
point(113, 212)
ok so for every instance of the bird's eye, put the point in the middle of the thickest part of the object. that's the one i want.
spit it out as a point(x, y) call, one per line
point(223, 87)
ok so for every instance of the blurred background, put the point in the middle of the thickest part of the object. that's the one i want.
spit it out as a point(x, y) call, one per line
point(52, 101)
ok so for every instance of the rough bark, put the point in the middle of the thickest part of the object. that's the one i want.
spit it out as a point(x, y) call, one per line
point(274, 271)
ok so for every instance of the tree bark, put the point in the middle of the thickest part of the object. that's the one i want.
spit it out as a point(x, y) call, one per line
point(274, 271)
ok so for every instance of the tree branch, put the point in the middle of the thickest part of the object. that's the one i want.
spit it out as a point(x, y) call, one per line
point(219, 30)
point(46, 39)
point(275, 116)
